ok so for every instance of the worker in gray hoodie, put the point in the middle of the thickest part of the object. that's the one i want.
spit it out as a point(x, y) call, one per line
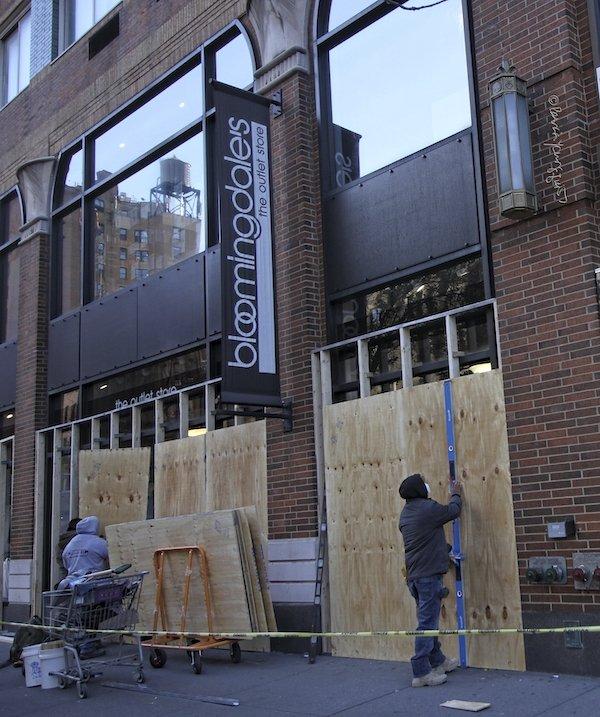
point(86, 552)
point(426, 552)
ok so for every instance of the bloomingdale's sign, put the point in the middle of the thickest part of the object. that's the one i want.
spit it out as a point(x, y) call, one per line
point(249, 362)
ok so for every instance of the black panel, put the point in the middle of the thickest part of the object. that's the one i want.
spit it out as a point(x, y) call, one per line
point(8, 374)
point(109, 334)
point(422, 207)
point(63, 351)
point(213, 290)
point(171, 308)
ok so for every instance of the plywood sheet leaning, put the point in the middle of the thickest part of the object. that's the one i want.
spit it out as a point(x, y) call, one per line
point(135, 543)
point(113, 484)
point(253, 591)
point(180, 477)
point(236, 469)
point(259, 545)
point(488, 528)
point(370, 446)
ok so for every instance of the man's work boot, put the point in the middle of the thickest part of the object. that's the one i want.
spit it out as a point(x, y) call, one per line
point(449, 665)
point(431, 679)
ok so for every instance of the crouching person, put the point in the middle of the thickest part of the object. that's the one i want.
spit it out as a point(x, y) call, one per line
point(422, 526)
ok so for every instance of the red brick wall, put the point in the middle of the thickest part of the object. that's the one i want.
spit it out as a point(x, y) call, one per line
point(31, 394)
point(544, 274)
point(300, 307)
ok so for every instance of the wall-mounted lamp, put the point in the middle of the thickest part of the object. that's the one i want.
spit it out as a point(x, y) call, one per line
point(512, 141)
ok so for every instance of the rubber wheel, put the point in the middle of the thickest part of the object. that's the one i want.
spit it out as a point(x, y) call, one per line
point(82, 692)
point(235, 653)
point(62, 683)
point(140, 678)
point(158, 658)
point(196, 660)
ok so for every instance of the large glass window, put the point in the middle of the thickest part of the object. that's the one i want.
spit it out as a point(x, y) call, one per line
point(68, 261)
point(78, 16)
point(129, 196)
point(398, 85)
point(15, 54)
point(159, 202)
point(154, 380)
point(177, 106)
point(10, 223)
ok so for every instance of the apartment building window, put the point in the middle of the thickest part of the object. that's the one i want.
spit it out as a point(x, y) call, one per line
point(136, 182)
point(15, 59)
point(78, 16)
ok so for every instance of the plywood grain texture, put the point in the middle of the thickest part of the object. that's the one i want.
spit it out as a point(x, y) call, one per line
point(371, 445)
point(491, 578)
point(136, 542)
point(113, 484)
point(236, 469)
point(180, 477)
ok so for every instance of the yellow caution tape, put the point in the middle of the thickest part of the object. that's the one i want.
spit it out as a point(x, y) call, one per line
point(307, 635)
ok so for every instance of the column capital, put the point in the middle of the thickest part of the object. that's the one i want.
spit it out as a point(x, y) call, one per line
point(281, 28)
point(35, 186)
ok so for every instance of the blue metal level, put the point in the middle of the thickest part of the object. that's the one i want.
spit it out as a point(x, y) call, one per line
point(456, 553)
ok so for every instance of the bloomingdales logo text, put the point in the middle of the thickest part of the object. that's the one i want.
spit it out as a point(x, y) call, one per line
point(554, 175)
point(247, 229)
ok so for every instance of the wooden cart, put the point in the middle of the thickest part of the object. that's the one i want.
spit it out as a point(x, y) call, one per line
point(193, 646)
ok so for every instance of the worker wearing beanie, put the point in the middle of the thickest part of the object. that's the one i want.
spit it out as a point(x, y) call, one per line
point(426, 552)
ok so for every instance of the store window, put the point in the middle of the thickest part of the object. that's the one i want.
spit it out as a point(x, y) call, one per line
point(78, 16)
point(10, 224)
point(410, 66)
point(15, 52)
point(156, 380)
point(7, 423)
point(132, 190)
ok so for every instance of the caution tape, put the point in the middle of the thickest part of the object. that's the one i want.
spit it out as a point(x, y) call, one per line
point(308, 635)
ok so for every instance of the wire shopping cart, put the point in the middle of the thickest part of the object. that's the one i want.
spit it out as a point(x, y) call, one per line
point(94, 603)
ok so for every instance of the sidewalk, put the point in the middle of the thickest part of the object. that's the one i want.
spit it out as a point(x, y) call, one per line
point(276, 685)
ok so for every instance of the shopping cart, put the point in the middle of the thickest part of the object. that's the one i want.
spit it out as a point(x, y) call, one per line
point(100, 601)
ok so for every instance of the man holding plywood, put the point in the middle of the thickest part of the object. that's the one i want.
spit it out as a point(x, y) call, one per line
point(422, 526)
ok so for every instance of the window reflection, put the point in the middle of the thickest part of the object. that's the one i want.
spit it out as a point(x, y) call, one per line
point(145, 383)
point(342, 10)
point(149, 221)
point(80, 15)
point(410, 299)
point(398, 86)
point(234, 63)
point(174, 108)
point(9, 294)
point(68, 261)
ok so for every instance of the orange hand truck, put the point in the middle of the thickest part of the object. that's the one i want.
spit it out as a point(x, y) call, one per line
point(194, 646)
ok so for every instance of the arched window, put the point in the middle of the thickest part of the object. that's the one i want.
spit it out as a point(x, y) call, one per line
point(129, 197)
point(394, 80)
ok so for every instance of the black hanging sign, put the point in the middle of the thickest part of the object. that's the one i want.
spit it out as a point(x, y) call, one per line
point(242, 158)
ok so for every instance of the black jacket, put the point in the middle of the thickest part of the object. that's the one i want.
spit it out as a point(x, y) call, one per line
point(421, 525)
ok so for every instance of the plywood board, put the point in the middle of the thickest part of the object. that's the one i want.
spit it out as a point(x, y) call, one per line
point(236, 469)
point(259, 544)
point(136, 542)
point(255, 599)
point(371, 445)
point(113, 484)
point(180, 477)
point(491, 578)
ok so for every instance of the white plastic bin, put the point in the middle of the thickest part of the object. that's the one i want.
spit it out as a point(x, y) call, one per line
point(31, 663)
point(51, 661)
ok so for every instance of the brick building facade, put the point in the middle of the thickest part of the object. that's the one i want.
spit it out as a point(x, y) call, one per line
point(540, 269)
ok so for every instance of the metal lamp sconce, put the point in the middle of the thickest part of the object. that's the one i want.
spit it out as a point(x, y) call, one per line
point(512, 142)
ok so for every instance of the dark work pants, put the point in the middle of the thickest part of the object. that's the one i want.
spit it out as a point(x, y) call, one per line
point(427, 593)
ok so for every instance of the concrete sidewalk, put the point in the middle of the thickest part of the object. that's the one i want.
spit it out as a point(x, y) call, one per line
point(276, 685)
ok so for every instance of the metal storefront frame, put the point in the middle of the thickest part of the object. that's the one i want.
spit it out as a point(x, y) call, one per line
point(6, 464)
point(57, 466)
